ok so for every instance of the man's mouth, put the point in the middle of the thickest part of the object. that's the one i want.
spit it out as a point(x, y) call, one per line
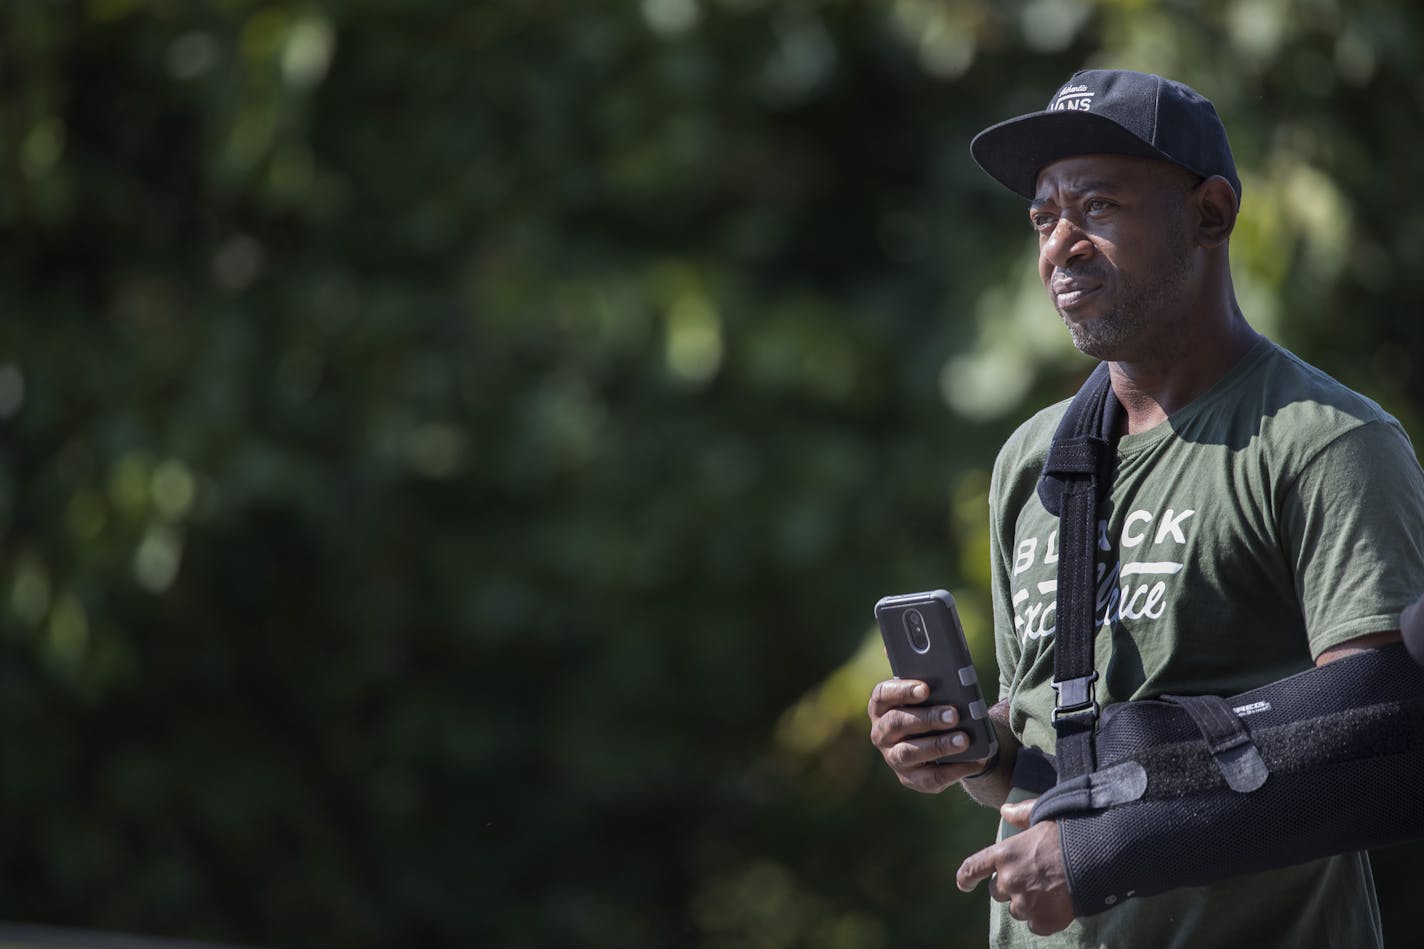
point(1071, 293)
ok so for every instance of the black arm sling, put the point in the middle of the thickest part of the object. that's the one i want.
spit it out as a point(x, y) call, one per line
point(1155, 794)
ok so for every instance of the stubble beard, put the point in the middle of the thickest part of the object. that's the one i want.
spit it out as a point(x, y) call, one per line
point(1140, 308)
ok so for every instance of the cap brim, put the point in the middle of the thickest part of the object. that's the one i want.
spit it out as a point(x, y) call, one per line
point(1015, 151)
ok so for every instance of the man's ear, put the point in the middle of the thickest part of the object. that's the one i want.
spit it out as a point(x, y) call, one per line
point(1216, 205)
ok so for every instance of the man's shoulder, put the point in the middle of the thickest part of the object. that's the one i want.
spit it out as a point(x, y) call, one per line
point(1027, 447)
point(1289, 382)
point(1302, 405)
point(1019, 464)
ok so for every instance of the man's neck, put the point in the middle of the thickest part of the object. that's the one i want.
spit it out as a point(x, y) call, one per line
point(1150, 390)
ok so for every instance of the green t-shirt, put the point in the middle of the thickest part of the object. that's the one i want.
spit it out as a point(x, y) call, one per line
point(1277, 515)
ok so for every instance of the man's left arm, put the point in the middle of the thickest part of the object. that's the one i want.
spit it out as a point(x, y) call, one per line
point(1359, 645)
point(1354, 523)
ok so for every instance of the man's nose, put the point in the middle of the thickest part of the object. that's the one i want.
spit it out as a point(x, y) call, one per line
point(1067, 243)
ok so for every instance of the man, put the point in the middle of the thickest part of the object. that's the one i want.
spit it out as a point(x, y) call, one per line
point(1262, 517)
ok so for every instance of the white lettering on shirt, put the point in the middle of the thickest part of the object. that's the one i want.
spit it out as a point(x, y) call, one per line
point(1024, 560)
point(1129, 539)
point(1135, 591)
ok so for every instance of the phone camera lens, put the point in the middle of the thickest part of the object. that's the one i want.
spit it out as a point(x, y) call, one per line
point(915, 627)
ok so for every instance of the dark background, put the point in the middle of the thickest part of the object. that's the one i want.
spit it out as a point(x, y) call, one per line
point(451, 450)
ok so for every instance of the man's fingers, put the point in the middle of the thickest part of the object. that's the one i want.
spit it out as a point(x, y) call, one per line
point(914, 740)
point(900, 723)
point(928, 750)
point(933, 778)
point(913, 737)
point(893, 693)
point(891, 721)
point(926, 780)
point(976, 867)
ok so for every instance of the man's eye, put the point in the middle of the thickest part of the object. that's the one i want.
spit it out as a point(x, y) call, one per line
point(1097, 204)
point(1043, 222)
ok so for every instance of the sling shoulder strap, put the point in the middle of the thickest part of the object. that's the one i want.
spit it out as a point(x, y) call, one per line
point(1077, 477)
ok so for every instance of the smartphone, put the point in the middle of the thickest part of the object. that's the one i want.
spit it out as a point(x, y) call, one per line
point(925, 641)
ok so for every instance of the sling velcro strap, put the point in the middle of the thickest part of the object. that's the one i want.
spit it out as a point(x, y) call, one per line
point(1079, 455)
point(1238, 759)
point(1121, 783)
point(1076, 476)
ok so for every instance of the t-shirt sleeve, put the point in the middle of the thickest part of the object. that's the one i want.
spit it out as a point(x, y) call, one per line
point(1006, 643)
point(1353, 526)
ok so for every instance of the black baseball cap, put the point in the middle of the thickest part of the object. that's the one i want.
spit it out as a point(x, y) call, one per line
point(1114, 112)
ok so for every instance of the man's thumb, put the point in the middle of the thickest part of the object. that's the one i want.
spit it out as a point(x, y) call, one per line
point(1017, 813)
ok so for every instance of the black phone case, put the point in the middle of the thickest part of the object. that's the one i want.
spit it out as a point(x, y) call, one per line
point(939, 658)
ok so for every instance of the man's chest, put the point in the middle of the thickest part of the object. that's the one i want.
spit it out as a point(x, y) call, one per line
point(1168, 548)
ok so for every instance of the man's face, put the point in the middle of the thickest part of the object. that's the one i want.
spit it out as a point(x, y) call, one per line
point(1115, 253)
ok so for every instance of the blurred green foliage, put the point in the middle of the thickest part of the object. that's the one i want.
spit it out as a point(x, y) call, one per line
point(451, 449)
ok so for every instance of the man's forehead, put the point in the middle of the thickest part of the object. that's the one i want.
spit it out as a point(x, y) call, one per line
point(1079, 173)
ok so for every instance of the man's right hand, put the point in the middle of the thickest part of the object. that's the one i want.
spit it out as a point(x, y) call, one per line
point(895, 716)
